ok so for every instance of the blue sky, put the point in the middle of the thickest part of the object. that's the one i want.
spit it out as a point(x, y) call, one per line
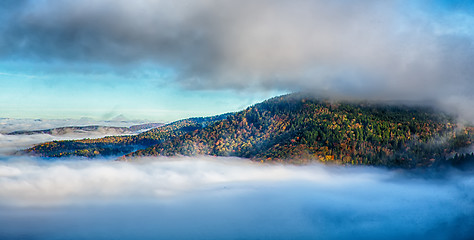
point(164, 60)
point(143, 95)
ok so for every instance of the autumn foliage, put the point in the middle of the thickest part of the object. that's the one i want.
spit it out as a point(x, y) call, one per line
point(296, 128)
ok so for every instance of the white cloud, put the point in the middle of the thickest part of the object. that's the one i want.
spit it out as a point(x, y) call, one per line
point(11, 143)
point(224, 198)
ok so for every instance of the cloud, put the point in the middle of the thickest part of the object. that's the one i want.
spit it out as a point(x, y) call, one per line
point(41, 182)
point(225, 198)
point(372, 49)
point(8, 125)
point(13, 143)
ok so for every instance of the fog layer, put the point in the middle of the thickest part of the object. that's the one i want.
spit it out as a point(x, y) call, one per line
point(222, 198)
point(8, 125)
point(10, 144)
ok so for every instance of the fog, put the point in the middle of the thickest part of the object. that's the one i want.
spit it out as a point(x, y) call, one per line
point(10, 144)
point(226, 198)
point(8, 125)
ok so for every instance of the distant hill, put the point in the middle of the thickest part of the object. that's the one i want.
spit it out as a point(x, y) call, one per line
point(140, 127)
point(87, 129)
point(297, 128)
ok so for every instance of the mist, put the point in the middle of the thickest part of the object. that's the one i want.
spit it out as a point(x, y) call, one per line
point(11, 144)
point(8, 125)
point(227, 198)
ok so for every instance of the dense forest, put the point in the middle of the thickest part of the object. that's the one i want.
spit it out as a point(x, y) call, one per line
point(296, 128)
point(120, 145)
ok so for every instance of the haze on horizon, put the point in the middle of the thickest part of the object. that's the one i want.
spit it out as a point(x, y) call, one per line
point(164, 60)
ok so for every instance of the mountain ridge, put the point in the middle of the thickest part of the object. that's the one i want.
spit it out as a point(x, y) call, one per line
point(300, 128)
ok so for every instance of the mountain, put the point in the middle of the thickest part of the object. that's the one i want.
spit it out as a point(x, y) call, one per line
point(297, 128)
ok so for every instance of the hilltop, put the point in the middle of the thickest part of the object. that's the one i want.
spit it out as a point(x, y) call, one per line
point(296, 128)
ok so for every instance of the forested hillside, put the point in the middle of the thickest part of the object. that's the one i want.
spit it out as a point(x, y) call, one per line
point(297, 128)
point(120, 145)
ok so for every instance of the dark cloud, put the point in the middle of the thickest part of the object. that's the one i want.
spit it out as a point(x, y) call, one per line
point(371, 49)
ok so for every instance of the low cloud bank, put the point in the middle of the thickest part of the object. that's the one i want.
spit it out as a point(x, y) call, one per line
point(228, 198)
point(27, 181)
point(9, 144)
point(8, 125)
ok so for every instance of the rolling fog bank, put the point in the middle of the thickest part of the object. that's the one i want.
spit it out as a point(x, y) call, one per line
point(223, 198)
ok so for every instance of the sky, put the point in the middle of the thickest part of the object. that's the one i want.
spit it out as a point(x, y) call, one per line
point(164, 60)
